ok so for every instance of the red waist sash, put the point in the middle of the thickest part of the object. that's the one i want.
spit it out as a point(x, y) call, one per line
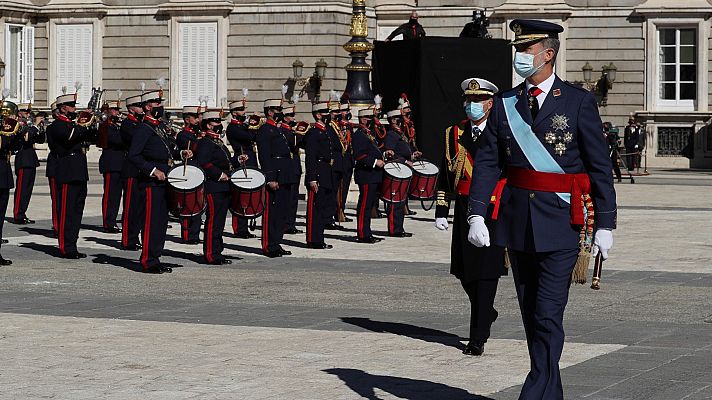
point(577, 185)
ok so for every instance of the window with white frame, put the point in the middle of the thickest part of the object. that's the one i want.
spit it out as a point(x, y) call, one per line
point(197, 62)
point(74, 58)
point(20, 62)
point(677, 67)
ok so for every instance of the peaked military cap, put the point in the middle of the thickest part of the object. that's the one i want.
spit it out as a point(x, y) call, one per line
point(366, 112)
point(113, 104)
point(290, 109)
point(532, 30)
point(66, 99)
point(194, 110)
point(212, 115)
point(394, 113)
point(321, 107)
point(133, 101)
point(475, 86)
point(154, 96)
point(273, 103)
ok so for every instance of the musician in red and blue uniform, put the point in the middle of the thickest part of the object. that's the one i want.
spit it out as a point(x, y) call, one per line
point(26, 162)
point(187, 139)
point(347, 129)
point(548, 137)
point(368, 173)
point(296, 138)
point(242, 141)
point(153, 154)
point(333, 126)
point(50, 174)
point(111, 162)
point(133, 213)
point(8, 143)
point(275, 155)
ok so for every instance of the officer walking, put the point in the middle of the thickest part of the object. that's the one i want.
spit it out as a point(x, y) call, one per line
point(26, 162)
point(368, 173)
point(187, 139)
point(132, 218)
point(548, 135)
point(111, 162)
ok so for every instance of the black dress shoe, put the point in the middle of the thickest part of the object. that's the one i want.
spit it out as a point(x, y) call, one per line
point(319, 246)
point(169, 226)
point(112, 229)
point(29, 221)
point(247, 235)
point(367, 240)
point(19, 221)
point(284, 252)
point(331, 226)
point(4, 261)
point(347, 219)
point(220, 261)
point(412, 212)
point(159, 269)
point(4, 241)
point(474, 349)
point(192, 241)
point(273, 254)
point(74, 255)
point(402, 234)
point(293, 231)
point(133, 247)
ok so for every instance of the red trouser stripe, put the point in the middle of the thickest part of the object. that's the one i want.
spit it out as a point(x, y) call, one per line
point(362, 211)
point(391, 218)
point(18, 192)
point(235, 224)
point(63, 218)
point(184, 231)
point(310, 216)
point(53, 195)
point(105, 200)
point(126, 213)
point(209, 229)
point(147, 228)
point(265, 224)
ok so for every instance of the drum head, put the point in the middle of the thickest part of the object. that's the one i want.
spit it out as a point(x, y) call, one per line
point(192, 178)
point(248, 178)
point(425, 168)
point(398, 170)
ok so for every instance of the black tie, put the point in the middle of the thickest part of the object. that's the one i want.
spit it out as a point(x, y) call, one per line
point(533, 102)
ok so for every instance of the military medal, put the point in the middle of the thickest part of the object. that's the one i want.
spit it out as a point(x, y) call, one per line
point(560, 137)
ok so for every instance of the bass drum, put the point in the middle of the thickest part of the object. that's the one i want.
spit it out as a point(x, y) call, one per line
point(186, 191)
point(247, 192)
point(425, 177)
point(396, 178)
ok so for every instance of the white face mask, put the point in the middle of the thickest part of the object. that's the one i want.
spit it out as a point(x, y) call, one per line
point(524, 64)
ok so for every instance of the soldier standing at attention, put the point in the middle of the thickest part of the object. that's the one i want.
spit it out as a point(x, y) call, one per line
point(187, 139)
point(111, 162)
point(26, 161)
point(132, 217)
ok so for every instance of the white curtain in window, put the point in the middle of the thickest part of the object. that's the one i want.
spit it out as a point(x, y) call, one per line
point(198, 59)
point(74, 55)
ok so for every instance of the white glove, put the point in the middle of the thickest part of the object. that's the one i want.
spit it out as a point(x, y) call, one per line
point(479, 234)
point(603, 242)
point(441, 223)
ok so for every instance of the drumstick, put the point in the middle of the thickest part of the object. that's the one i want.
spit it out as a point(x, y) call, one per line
point(185, 160)
point(178, 179)
point(243, 162)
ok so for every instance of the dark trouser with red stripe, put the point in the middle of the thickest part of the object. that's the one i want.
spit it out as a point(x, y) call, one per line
point(190, 227)
point(53, 198)
point(293, 204)
point(133, 217)
point(347, 183)
point(215, 215)
point(23, 191)
point(481, 293)
point(4, 199)
point(154, 226)
point(240, 225)
point(111, 200)
point(275, 217)
point(396, 215)
point(70, 203)
point(318, 207)
point(368, 195)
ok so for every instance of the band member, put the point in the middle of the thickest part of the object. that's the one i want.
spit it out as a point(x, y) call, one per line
point(111, 162)
point(409, 134)
point(478, 269)
point(397, 142)
point(215, 159)
point(347, 129)
point(26, 161)
point(67, 139)
point(275, 155)
point(547, 133)
point(187, 139)
point(242, 141)
point(153, 154)
point(133, 214)
point(8, 143)
point(289, 129)
point(368, 173)
point(319, 178)
point(50, 174)
point(334, 128)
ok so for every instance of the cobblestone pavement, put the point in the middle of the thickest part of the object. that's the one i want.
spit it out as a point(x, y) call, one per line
point(378, 322)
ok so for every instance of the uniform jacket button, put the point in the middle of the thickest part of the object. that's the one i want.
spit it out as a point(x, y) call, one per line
point(532, 195)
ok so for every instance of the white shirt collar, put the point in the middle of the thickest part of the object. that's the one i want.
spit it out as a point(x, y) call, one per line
point(545, 86)
point(481, 126)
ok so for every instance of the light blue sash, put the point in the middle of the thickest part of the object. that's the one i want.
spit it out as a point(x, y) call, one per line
point(533, 148)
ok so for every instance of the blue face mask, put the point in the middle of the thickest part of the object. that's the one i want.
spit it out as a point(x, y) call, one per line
point(474, 111)
point(524, 64)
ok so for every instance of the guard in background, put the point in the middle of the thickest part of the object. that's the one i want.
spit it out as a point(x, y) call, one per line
point(8, 143)
point(275, 155)
point(397, 143)
point(319, 178)
point(133, 214)
point(67, 139)
point(26, 161)
point(289, 128)
point(478, 269)
point(368, 173)
point(242, 140)
point(347, 130)
point(632, 138)
point(111, 163)
point(337, 141)
point(187, 139)
point(152, 153)
point(410, 30)
point(50, 174)
point(612, 138)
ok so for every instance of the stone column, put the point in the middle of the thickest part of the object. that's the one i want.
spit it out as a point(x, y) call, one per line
point(358, 81)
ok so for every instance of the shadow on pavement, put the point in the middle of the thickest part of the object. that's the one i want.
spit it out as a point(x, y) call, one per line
point(244, 249)
point(122, 262)
point(411, 331)
point(38, 231)
point(52, 251)
point(113, 243)
point(364, 384)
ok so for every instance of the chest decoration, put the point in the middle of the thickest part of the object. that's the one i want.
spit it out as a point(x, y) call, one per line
point(559, 136)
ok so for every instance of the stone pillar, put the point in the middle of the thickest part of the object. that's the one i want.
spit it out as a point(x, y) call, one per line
point(358, 81)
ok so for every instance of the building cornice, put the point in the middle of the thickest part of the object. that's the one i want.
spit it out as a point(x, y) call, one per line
point(666, 8)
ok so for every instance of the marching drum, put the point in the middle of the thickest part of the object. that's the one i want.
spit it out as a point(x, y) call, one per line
point(425, 177)
point(247, 192)
point(186, 191)
point(396, 178)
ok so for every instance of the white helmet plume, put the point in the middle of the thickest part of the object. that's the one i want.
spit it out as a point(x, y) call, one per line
point(161, 82)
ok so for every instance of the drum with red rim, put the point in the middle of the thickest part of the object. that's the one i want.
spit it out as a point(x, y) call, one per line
point(247, 192)
point(186, 191)
point(396, 178)
point(425, 179)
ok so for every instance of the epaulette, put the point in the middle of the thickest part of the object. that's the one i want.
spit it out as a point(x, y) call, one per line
point(575, 86)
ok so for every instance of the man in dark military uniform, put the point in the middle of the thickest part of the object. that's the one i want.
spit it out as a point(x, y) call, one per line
point(409, 134)
point(631, 140)
point(478, 269)
point(151, 152)
point(347, 131)
point(548, 136)
point(397, 142)
point(368, 173)
point(289, 129)
point(132, 218)
point(275, 155)
point(187, 139)
point(26, 162)
point(67, 139)
point(111, 162)
point(410, 30)
point(50, 174)
point(8, 143)
point(319, 178)
point(333, 127)
point(242, 141)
